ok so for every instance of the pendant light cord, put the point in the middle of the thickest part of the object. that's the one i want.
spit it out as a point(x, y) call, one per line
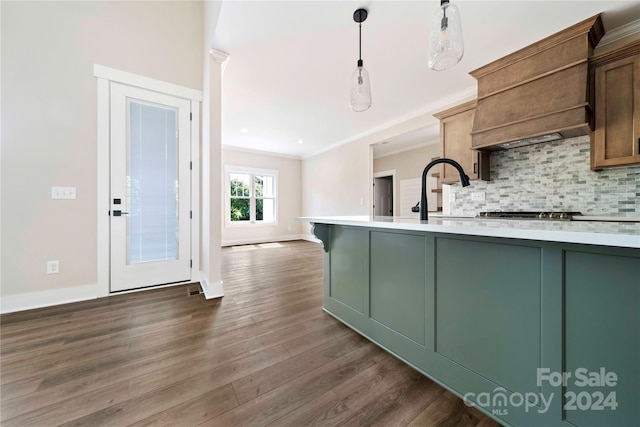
point(360, 16)
point(444, 24)
point(360, 41)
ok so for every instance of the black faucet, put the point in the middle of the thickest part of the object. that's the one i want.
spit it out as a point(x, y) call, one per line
point(464, 180)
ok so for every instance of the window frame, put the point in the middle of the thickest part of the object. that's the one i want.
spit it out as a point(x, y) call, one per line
point(252, 172)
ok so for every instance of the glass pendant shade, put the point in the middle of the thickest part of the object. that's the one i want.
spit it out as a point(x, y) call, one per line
point(360, 89)
point(445, 38)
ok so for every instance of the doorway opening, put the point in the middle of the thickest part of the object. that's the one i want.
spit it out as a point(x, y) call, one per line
point(384, 200)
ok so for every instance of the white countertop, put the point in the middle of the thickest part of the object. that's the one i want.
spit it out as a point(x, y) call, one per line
point(621, 234)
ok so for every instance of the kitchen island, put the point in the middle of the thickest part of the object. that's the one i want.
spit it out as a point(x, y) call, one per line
point(498, 311)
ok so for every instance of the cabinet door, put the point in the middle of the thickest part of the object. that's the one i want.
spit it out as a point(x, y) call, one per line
point(455, 143)
point(617, 135)
point(455, 137)
point(607, 341)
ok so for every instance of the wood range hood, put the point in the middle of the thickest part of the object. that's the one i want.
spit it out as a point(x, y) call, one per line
point(539, 93)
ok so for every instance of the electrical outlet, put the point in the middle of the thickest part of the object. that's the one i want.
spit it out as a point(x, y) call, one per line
point(53, 267)
point(452, 197)
point(477, 196)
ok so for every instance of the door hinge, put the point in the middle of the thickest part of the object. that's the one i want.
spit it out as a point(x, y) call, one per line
point(190, 116)
point(190, 263)
point(190, 165)
point(190, 214)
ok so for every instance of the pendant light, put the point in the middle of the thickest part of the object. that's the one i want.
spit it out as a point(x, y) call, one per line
point(445, 39)
point(360, 83)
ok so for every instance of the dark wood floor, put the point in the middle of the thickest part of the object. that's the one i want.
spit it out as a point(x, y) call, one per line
point(265, 354)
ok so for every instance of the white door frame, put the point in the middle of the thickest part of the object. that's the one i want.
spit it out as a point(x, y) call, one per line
point(104, 77)
point(392, 173)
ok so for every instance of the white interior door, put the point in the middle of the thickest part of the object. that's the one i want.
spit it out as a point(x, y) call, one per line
point(150, 188)
point(383, 196)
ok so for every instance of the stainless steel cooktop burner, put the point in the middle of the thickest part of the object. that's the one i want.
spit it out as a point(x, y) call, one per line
point(544, 215)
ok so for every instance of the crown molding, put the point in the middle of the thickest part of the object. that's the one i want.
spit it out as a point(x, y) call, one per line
point(414, 146)
point(592, 28)
point(260, 152)
point(430, 109)
point(610, 55)
point(620, 33)
point(220, 56)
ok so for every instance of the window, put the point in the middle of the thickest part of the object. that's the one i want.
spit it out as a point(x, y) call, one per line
point(251, 196)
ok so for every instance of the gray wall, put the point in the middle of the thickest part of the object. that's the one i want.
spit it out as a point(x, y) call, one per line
point(553, 176)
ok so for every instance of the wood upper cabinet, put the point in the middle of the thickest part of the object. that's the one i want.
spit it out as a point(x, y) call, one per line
point(455, 143)
point(616, 138)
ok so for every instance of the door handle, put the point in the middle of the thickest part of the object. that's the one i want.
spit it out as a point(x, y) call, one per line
point(119, 213)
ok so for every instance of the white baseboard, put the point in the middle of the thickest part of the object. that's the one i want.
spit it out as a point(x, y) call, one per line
point(148, 288)
point(39, 299)
point(252, 241)
point(310, 238)
point(211, 290)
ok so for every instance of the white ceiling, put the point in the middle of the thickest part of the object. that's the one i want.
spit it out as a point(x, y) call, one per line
point(418, 138)
point(290, 63)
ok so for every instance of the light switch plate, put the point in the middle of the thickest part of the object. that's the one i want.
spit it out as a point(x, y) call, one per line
point(63, 193)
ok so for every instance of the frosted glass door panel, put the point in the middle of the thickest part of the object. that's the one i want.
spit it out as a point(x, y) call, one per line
point(152, 183)
point(150, 180)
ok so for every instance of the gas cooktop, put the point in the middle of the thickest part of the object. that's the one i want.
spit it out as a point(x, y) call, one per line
point(542, 215)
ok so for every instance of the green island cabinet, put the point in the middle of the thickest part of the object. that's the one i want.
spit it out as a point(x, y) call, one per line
point(498, 321)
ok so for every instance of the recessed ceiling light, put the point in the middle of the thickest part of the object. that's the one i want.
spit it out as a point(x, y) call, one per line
point(300, 141)
point(244, 130)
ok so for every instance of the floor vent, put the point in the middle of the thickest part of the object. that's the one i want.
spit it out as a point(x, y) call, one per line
point(193, 290)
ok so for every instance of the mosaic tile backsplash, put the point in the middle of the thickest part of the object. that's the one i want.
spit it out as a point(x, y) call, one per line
point(552, 176)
